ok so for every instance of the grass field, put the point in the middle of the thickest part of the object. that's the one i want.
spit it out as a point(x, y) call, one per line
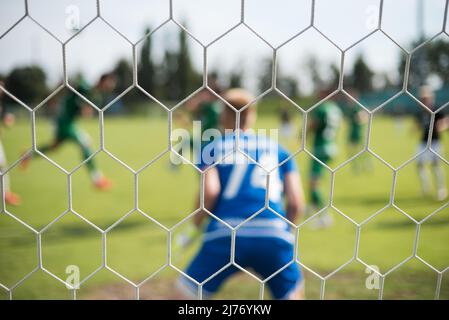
point(137, 247)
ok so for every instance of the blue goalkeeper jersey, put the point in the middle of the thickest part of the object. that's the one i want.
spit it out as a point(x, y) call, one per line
point(244, 185)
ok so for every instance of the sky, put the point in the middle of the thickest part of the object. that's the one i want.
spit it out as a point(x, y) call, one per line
point(97, 48)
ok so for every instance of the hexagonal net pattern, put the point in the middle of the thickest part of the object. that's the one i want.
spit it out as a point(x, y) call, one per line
point(358, 226)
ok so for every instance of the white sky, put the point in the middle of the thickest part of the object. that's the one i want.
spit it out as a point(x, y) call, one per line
point(98, 48)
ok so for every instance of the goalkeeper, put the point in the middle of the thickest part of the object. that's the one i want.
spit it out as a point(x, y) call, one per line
point(235, 190)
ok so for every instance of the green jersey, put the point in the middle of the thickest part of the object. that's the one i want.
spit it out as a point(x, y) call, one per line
point(355, 125)
point(327, 118)
point(71, 105)
point(209, 115)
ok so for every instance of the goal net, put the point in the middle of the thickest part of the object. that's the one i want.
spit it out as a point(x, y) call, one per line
point(108, 108)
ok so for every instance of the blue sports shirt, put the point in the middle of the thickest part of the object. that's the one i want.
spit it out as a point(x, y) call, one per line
point(244, 185)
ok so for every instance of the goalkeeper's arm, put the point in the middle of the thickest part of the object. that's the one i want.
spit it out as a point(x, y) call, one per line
point(211, 191)
point(294, 195)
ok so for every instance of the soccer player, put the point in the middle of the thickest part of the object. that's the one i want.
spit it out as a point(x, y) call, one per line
point(8, 120)
point(234, 190)
point(357, 117)
point(440, 124)
point(72, 107)
point(205, 108)
point(324, 124)
point(286, 123)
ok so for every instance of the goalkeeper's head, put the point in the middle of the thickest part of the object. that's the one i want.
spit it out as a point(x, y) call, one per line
point(243, 102)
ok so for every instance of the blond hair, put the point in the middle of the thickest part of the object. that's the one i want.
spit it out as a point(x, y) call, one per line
point(239, 98)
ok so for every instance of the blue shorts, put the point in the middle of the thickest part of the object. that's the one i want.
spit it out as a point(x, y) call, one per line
point(263, 255)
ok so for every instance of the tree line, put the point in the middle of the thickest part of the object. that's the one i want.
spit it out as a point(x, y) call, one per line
point(175, 76)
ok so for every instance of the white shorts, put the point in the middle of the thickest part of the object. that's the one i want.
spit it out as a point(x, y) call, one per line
point(429, 156)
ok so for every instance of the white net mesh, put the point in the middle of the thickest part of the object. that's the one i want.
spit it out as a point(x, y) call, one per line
point(206, 47)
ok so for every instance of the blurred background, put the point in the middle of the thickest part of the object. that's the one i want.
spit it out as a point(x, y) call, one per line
point(138, 37)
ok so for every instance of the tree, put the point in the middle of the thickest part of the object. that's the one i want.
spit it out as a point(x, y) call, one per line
point(286, 84)
point(387, 83)
point(177, 74)
point(335, 75)
point(184, 65)
point(265, 79)
point(124, 72)
point(170, 88)
point(419, 68)
point(289, 86)
point(146, 69)
point(29, 84)
point(438, 59)
point(235, 79)
point(313, 70)
point(362, 76)
point(188, 78)
point(432, 59)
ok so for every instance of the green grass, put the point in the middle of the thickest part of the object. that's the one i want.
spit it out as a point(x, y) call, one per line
point(137, 247)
